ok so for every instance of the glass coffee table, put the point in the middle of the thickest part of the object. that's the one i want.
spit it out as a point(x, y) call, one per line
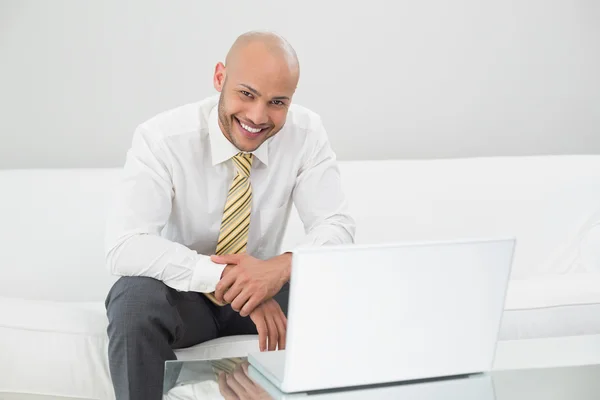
point(234, 378)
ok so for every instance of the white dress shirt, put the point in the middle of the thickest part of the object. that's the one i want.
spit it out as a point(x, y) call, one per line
point(166, 213)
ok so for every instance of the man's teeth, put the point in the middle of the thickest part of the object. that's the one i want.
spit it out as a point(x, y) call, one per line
point(251, 130)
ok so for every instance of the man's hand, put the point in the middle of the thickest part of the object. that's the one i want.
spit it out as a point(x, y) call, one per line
point(271, 325)
point(247, 282)
point(238, 385)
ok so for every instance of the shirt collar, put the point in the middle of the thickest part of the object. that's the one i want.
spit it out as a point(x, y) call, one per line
point(222, 149)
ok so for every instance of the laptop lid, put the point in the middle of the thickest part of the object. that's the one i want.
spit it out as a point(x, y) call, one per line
point(365, 314)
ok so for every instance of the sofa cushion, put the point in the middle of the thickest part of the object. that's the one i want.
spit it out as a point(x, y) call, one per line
point(63, 344)
point(54, 348)
point(224, 347)
point(552, 306)
point(548, 322)
point(553, 291)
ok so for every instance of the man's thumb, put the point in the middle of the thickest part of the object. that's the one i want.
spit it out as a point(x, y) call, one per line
point(225, 259)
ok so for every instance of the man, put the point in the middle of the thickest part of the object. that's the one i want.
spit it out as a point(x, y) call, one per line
point(199, 216)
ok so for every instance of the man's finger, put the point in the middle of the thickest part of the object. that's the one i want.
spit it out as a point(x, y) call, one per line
point(281, 329)
point(283, 318)
point(240, 300)
point(225, 283)
point(232, 293)
point(244, 380)
point(227, 258)
point(224, 389)
point(273, 333)
point(261, 328)
point(250, 305)
point(236, 387)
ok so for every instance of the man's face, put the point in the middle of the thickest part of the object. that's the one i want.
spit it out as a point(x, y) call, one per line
point(256, 93)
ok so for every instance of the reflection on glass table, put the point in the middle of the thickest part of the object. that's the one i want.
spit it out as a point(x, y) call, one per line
point(234, 378)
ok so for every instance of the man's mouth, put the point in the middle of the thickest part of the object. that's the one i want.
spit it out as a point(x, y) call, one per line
point(250, 131)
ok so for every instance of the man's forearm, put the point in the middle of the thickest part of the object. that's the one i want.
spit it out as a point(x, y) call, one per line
point(337, 230)
point(174, 264)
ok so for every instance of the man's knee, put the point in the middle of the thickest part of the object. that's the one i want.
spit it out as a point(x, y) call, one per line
point(133, 302)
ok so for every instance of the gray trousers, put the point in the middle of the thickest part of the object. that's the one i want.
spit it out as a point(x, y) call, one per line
point(148, 320)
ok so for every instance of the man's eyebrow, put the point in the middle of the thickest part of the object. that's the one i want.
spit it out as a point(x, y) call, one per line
point(256, 92)
point(250, 88)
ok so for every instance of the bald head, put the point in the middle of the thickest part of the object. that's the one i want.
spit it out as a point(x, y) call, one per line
point(259, 43)
point(257, 84)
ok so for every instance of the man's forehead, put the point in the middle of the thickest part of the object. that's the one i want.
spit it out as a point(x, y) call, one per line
point(262, 63)
point(264, 81)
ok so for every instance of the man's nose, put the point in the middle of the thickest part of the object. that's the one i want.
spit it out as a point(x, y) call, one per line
point(258, 114)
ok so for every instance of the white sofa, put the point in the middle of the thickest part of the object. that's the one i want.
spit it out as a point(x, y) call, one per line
point(53, 280)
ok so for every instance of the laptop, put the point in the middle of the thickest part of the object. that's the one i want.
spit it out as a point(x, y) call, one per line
point(369, 314)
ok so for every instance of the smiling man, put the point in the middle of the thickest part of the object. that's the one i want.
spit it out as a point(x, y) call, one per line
point(198, 218)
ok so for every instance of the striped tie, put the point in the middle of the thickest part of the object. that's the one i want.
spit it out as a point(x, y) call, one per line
point(235, 223)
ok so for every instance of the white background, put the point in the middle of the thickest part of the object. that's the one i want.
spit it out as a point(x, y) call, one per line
point(391, 79)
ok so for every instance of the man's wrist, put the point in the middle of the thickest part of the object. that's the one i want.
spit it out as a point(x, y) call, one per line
point(285, 261)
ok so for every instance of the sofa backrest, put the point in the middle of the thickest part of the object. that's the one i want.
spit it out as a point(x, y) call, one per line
point(52, 221)
point(548, 203)
point(52, 233)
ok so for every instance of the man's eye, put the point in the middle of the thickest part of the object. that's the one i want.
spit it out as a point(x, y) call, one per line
point(247, 94)
point(278, 102)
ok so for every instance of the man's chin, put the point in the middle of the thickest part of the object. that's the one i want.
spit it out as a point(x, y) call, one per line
point(247, 145)
point(243, 146)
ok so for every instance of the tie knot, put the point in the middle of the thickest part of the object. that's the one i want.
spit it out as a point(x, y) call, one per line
point(243, 163)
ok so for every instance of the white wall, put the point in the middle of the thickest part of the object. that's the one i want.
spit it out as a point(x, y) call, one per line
point(392, 79)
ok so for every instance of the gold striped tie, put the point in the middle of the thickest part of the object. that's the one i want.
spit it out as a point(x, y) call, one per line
point(235, 223)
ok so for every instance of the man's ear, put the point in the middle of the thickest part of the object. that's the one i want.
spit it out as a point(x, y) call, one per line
point(219, 77)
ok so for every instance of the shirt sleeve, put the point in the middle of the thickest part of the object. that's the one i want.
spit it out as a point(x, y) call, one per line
point(139, 210)
point(319, 196)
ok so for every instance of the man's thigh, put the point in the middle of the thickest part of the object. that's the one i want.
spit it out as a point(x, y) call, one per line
point(146, 306)
point(198, 318)
point(232, 323)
